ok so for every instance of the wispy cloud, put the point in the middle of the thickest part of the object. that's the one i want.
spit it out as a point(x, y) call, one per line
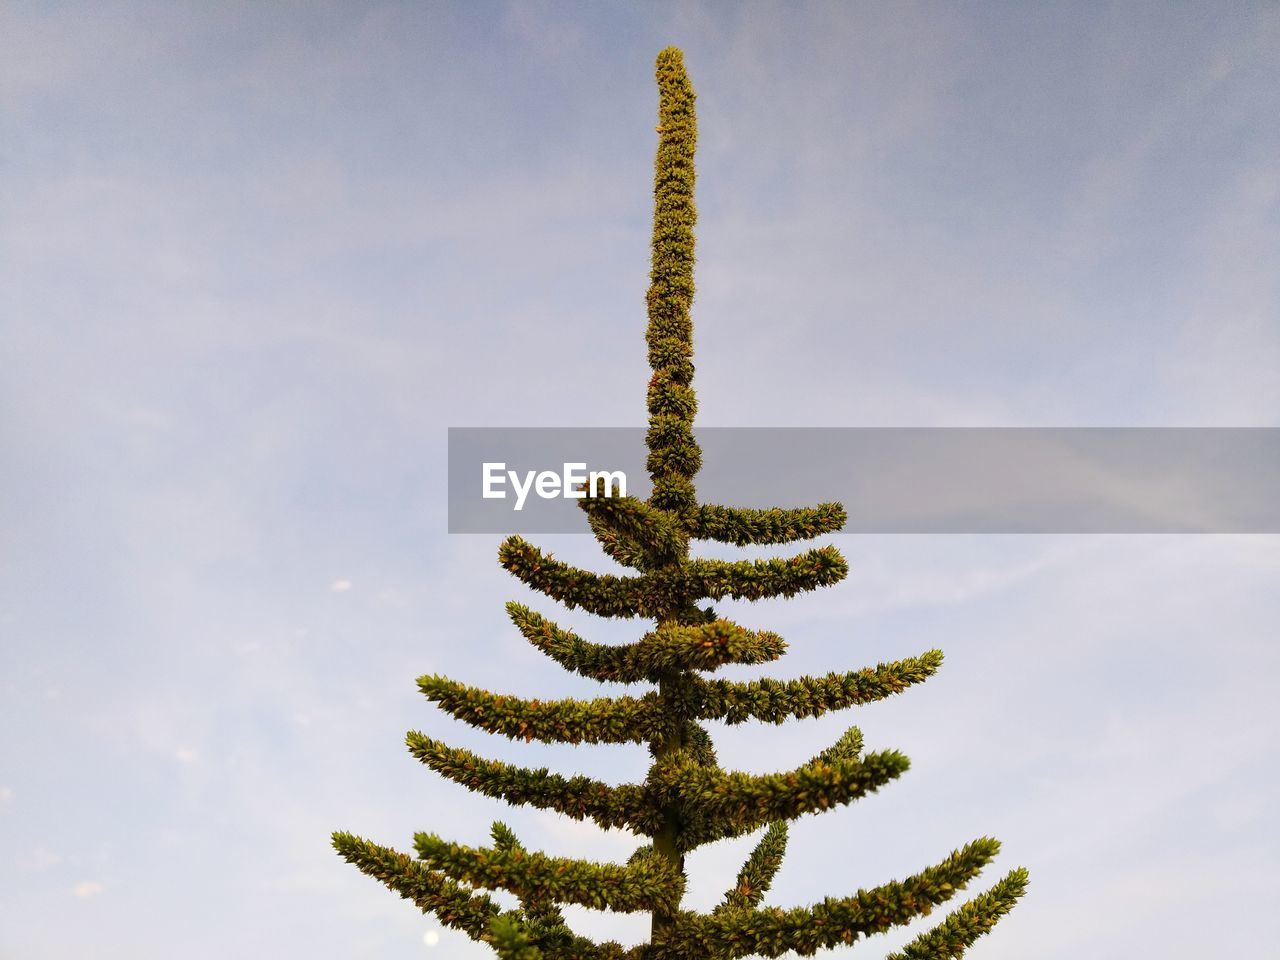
point(256, 260)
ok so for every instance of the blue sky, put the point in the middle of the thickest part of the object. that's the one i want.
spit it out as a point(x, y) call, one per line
point(256, 258)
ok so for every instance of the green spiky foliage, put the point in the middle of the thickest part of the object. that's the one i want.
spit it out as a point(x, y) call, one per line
point(687, 799)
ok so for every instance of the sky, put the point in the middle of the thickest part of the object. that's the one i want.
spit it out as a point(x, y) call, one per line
point(256, 258)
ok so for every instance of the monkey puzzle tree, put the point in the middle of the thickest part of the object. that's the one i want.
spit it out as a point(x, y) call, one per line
point(686, 800)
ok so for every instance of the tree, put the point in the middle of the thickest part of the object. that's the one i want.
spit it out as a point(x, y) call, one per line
point(686, 800)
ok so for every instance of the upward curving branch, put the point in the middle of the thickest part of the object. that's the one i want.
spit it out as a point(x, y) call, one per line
point(582, 798)
point(775, 701)
point(758, 872)
point(745, 527)
point(965, 925)
point(704, 646)
point(715, 804)
point(673, 587)
point(603, 720)
point(429, 889)
point(772, 932)
point(638, 534)
point(643, 884)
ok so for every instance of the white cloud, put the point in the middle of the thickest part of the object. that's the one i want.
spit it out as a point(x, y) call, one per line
point(42, 858)
point(186, 755)
point(227, 411)
point(87, 888)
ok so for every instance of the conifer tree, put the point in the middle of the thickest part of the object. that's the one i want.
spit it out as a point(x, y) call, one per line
point(687, 799)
